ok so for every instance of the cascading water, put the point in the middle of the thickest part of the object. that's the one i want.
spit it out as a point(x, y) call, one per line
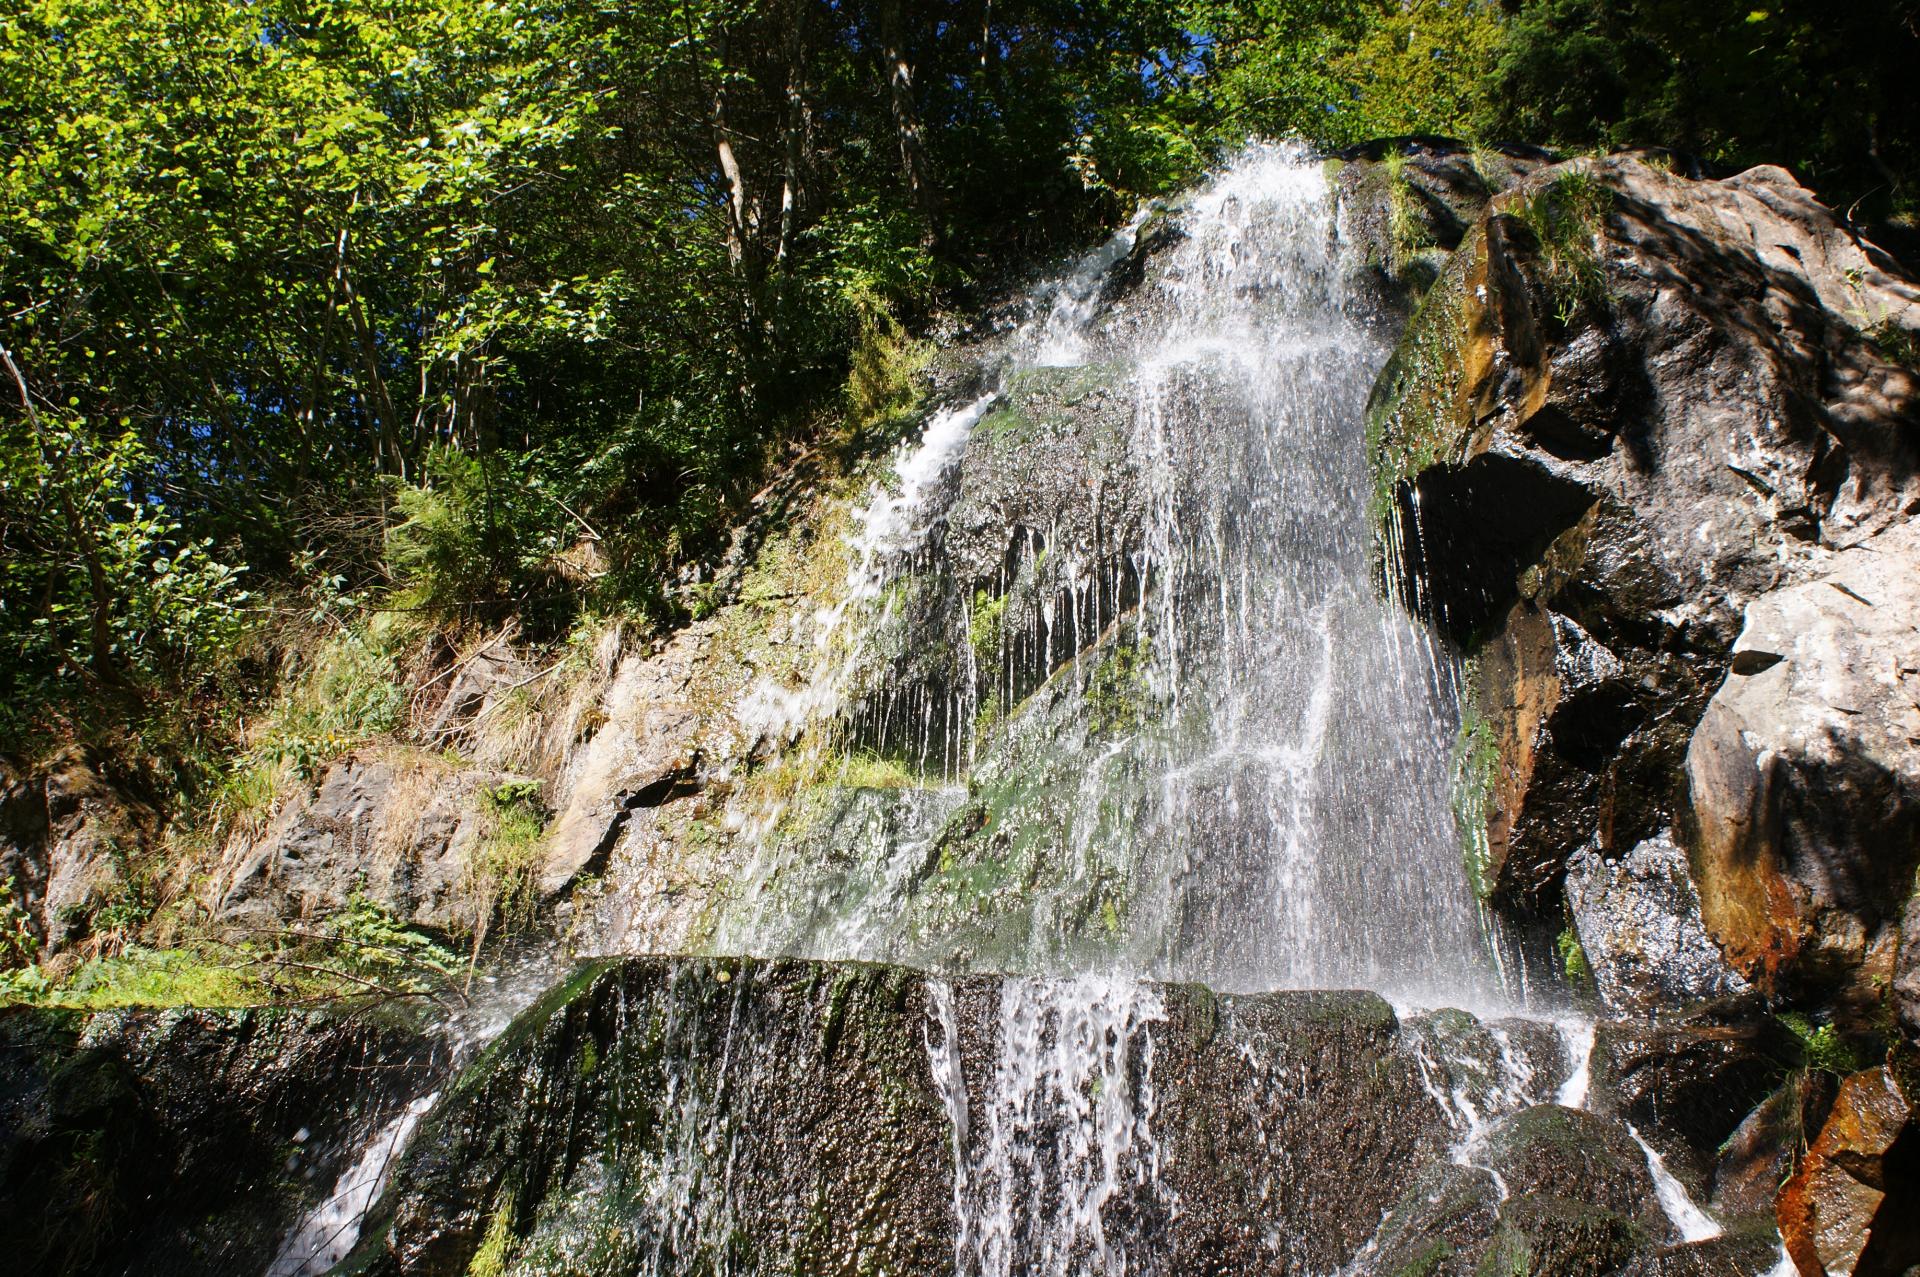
point(1272, 812)
point(1275, 812)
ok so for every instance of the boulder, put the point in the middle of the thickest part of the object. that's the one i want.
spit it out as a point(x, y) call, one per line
point(400, 826)
point(185, 1142)
point(1546, 1190)
point(68, 839)
point(1761, 1153)
point(1687, 1084)
point(1804, 773)
point(844, 1117)
point(1634, 404)
point(1853, 1206)
point(1743, 1254)
point(1638, 919)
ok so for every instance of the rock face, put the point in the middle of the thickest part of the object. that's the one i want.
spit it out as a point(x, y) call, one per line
point(1854, 1204)
point(1410, 201)
point(645, 752)
point(398, 825)
point(1638, 919)
point(1638, 414)
point(1804, 774)
point(66, 837)
point(183, 1142)
point(659, 1116)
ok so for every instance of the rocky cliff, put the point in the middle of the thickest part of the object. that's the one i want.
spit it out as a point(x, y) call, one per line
point(1650, 454)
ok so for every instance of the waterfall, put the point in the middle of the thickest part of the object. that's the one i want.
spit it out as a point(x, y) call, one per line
point(1058, 1167)
point(325, 1236)
point(1277, 815)
point(1277, 812)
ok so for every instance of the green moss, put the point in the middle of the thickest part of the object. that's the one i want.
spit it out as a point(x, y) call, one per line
point(1428, 1260)
point(986, 623)
point(1406, 232)
point(1117, 694)
point(1824, 1048)
point(491, 1259)
point(884, 386)
point(1414, 419)
point(1573, 958)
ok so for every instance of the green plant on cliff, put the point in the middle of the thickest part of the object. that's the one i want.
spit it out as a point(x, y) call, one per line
point(1118, 694)
point(18, 944)
point(369, 940)
point(1823, 1047)
point(985, 625)
point(503, 873)
point(1573, 958)
point(1405, 231)
point(1567, 221)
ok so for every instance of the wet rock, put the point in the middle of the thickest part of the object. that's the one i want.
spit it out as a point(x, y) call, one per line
point(1638, 918)
point(401, 826)
point(1409, 201)
point(1288, 1128)
point(1804, 775)
point(1761, 1153)
point(810, 1115)
point(1686, 1085)
point(183, 1142)
point(1587, 487)
point(1439, 1228)
point(1854, 1204)
point(688, 1112)
point(1546, 1190)
point(1735, 1255)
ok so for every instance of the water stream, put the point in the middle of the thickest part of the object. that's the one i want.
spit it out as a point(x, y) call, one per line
point(1277, 817)
point(1274, 810)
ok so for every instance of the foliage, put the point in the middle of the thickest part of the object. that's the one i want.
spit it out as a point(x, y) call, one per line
point(867, 770)
point(1824, 89)
point(334, 694)
point(504, 871)
point(1341, 71)
point(370, 941)
point(18, 944)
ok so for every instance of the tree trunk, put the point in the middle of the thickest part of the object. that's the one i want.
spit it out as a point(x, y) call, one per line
point(100, 594)
point(915, 166)
point(740, 250)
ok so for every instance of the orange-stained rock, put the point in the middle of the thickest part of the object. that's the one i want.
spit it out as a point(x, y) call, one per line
point(1842, 1197)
